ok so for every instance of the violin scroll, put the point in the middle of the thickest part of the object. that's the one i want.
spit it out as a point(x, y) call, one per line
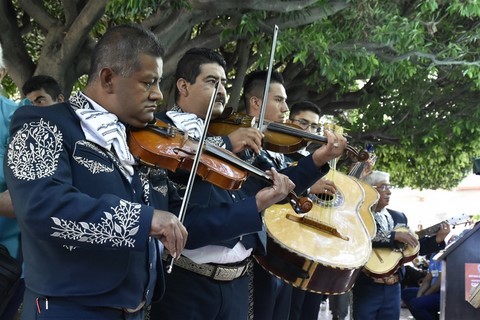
point(357, 156)
point(300, 205)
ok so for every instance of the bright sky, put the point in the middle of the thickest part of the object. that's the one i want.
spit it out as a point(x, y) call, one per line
point(429, 207)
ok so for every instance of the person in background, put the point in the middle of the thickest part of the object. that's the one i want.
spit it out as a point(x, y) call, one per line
point(42, 91)
point(380, 298)
point(92, 223)
point(9, 230)
point(424, 301)
point(271, 295)
point(415, 273)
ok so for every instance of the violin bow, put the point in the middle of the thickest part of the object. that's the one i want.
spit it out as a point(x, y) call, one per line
point(196, 161)
point(267, 82)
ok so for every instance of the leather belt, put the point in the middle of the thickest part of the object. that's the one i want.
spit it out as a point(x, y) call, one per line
point(390, 280)
point(219, 272)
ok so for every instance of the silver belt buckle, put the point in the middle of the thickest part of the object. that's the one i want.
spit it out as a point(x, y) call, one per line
point(228, 274)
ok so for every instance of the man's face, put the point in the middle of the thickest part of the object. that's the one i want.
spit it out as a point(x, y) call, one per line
point(136, 95)
point(195, 97)
point(307, 120)
point(40, 98)
point(276, 106)
point(383, 189)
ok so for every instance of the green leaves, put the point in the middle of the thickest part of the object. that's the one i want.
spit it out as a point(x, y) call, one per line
point(403, 75)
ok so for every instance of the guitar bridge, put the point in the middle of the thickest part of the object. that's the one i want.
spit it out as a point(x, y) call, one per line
point(319, 225)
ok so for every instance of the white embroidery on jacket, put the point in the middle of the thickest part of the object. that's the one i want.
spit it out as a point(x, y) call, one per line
point(149, 177)
point(69, 248)
point(145, 185)
point(92, 165)
point(117, 229)
point(34, 150)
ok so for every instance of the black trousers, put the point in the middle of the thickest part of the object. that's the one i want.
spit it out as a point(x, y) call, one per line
point(272, 296)
point(305, 305)
point(190, 296)
point(37, 307)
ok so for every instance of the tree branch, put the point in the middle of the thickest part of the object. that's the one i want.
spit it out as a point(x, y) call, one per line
point(76, 34)
point(70, 11)
point(243, 52)
point(312, 15)
point(19, 63)
point(390, 54)
point(37, 11)
point(262, 5)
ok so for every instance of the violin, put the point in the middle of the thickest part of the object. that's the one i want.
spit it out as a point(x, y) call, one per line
point(278, 137)
point(162, 145)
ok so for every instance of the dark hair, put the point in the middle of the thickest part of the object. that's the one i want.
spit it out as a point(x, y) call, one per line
point(254, 84)
point(47, 83)
point(188, 67)
point(120, 49)
point(304, 106)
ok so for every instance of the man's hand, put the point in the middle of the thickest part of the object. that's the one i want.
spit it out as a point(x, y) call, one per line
point(246, 138)
point(170, 231)
point(6, 207)
point(324, 186)
point(443, 232)
point(333, 149)
point(406, 237)
point(281, 187)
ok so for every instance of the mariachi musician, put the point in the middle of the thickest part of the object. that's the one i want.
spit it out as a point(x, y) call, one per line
point(209, 280)
point(377, 296)
point(305, 305)
point(272, 295)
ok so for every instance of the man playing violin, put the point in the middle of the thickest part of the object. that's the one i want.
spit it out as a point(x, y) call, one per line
point(89, 216)
point(210, 280)
point(378, 297)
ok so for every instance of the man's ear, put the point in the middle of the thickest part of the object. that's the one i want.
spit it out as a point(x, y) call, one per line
point(255, 103)
point(60, 98)
point(106, 79)
point(182, 87)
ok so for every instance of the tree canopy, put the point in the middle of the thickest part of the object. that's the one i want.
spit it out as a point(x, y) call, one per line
point(401, 75)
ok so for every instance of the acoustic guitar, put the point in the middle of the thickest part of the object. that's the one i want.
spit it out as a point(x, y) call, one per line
point(384, 262)
point(324, 250)
point(371, 195)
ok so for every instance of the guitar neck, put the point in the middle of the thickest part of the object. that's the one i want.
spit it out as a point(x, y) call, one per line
point(428, 231)
point(463, 218)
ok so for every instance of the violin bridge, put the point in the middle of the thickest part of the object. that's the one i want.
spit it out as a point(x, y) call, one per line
point(319, 225)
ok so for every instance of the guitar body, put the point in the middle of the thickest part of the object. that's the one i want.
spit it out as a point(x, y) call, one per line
point(324, 250)
point(365, 210)
point(384, 262)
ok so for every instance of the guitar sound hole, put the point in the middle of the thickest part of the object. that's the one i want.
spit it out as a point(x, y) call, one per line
point(326, 200)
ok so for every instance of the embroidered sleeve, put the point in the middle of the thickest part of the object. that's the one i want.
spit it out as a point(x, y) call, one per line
point(117, 227)
point(72, 207)
point(218, 141)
